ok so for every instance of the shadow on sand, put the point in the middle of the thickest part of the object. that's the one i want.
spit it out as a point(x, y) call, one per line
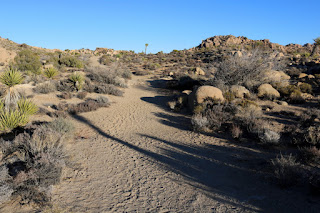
point(230, 175)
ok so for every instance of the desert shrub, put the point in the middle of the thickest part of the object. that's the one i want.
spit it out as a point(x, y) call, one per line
point(296, 97)
point(287, 170)
point(34, 162)
point(151, 66)
point(26, 60)
point(86, 106)
point(65, 85)
point(214, 114)
point(199, 122)
point(77, 79)
point(71, 61)
point(27, 107)
point(82, 95)
point(51, 72)
point(244, 103)
point(245, 71)
point(6, 189)
point(108, 89)
point(37, 79)
point(65, 95)
point(312, 135)
point(305, 88)
point(106, 77)
point(103, 100)
point(12, 117)
point(269, 137)
point(126, 74)
point(287, 90)
point(10, 78)
point(309, 117)
point(61, 126)
point(106, 60)
point(45, 87)
point(236, 131)
point(229, 96)
point(310, 154)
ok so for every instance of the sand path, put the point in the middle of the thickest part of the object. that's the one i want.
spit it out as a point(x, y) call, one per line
point(136, 156)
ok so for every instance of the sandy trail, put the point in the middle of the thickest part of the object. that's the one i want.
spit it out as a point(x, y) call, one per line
point(136, 156)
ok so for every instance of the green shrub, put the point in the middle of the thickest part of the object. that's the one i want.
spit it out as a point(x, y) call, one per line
point(11, 119)
point(287, 90)
point(51, 72)
point(27, 107)
point(26, 60)
point(77, 79)
point(71, 61)
point(11, 77)
point(229, 96)
point(106, 60)
point(296, 97)
point(305, 88)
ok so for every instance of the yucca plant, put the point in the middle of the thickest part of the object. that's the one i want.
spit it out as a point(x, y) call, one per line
point(10, 119)
point(27, 107)
point(13, 117)
point(11, 77)
point(77, 80)
point(51, 72)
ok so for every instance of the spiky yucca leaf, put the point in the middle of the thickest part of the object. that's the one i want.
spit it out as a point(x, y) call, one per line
point(77, 79)
point(51, 72)
point(11, 77)
point(27, 107)
point(11, 119)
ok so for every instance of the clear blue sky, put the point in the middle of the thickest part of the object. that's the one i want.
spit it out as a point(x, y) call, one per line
point(164, 24)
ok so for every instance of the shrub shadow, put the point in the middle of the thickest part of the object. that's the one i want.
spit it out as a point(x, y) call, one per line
point(230, 175)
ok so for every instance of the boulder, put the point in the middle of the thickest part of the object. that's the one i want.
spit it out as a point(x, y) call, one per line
point(266, 90)
point(239, 91)
point(187, 92)
point(199, 71)
point(238, 54)
point(303, 75)
point(283, 103)
point(274, 76)
point(198, 96)
point(47, 66)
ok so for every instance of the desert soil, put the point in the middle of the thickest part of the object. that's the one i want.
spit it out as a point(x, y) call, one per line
point(137, 156)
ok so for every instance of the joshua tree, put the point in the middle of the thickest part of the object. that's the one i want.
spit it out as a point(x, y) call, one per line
point(146, 45)
point(316, 46)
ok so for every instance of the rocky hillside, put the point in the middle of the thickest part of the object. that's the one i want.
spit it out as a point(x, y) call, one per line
point(242, 42)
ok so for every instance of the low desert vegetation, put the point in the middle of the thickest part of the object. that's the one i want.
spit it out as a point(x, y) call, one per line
point(33, 162)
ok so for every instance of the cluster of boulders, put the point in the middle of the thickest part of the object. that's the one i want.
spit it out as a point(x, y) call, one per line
point(276, 85)
point(242, 42)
